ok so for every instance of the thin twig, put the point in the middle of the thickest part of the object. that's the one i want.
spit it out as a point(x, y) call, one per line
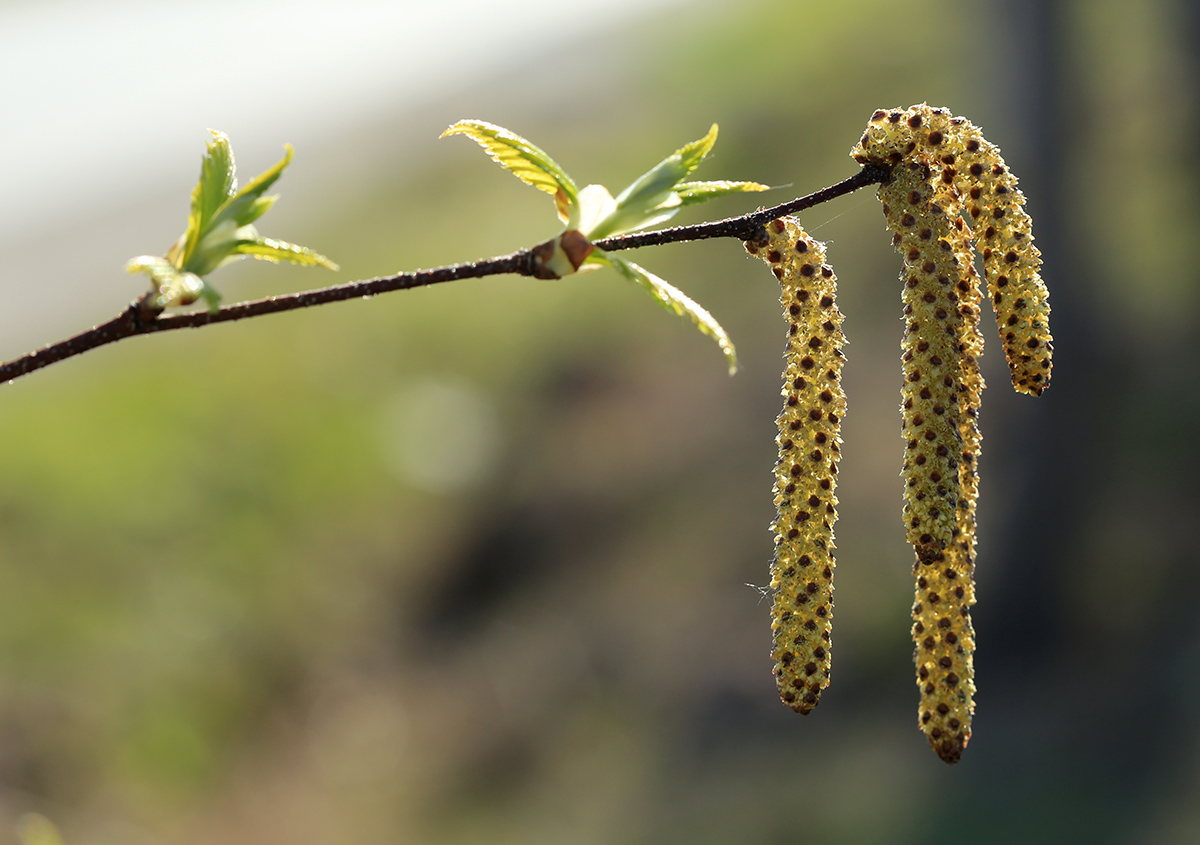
point(131, 321)
point(743, 227)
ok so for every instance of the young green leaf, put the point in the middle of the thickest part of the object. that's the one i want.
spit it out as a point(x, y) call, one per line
point(212, 249)
point(661, 179)
point(218, 231)
point(690, 155)
point(672, 299)
point(269, 249)
point(592, 213)
point(595, 204)
point(256, 209)
point(248, 204)
point(218, 181)
point(654, 197)
point(525, 160)
point(219, 209)
point(691, 193)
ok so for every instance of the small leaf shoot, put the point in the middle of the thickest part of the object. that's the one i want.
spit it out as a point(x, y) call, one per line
point(219, 231)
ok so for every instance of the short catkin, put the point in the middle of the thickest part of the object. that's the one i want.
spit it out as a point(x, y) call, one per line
point(806, 473)
point(1002, 230)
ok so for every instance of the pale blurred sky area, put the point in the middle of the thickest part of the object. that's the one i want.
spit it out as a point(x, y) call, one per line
point(102, 102)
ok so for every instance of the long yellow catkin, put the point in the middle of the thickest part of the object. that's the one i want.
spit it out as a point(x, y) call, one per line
point(945, 201)
point(937, 374)
point(1001, 228)
point(806, 473)
point(970, 384)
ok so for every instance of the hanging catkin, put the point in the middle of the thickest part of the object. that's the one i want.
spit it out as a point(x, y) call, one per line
point(806, 472)
point(935, 347)
point(944, 176)
point(1002, 230)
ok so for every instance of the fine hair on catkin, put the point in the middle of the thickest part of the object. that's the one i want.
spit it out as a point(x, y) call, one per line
point(806, 473)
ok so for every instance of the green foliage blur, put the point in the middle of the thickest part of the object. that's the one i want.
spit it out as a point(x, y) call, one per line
point(479, 562)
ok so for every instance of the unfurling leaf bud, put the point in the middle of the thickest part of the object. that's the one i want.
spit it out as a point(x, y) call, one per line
point(806, 473)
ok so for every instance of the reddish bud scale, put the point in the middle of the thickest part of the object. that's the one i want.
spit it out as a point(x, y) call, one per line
point(806, 473)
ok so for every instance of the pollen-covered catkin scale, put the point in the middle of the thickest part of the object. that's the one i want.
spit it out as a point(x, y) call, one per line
point(970, 390)
point(941, 386)
point(806, 473)
point(966, 297)
point(930, 355)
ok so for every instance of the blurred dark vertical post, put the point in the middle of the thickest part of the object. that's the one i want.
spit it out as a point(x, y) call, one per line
point(1076, 452)
point(1034, 541)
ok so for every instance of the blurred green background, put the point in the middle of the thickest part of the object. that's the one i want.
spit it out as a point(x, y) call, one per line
point(478, 563)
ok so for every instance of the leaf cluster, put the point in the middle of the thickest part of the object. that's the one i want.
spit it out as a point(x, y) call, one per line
point(220, 229)
point(592, 213)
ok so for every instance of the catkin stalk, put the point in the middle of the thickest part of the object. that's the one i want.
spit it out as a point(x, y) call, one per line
point(806, 473)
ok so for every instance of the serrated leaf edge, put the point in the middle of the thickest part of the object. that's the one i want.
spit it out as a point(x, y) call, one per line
point(496, 141)
point(672, 299)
